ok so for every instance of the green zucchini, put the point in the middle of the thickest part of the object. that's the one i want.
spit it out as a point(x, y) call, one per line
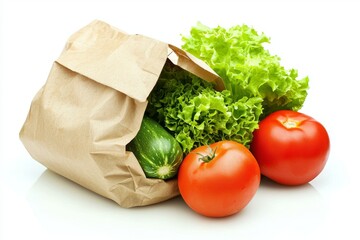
point(157, 151)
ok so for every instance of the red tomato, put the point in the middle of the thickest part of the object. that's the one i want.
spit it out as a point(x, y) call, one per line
point(290, 147)
point(219, 180)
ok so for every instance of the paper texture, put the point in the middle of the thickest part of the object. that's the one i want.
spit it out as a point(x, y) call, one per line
point(91, 107)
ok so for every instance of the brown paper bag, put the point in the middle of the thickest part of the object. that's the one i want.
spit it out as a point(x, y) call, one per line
point(92, 105)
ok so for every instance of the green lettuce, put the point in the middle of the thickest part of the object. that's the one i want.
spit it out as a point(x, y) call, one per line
point(249, 70)
point(196, 114)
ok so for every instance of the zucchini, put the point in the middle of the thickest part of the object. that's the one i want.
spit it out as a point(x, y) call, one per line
point(157, 151)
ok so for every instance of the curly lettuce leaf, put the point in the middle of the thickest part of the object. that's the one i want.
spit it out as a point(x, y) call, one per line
point(196, 114)
point(237, 54)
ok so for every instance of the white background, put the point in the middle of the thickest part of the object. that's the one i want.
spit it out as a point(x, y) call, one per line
point(319, 38)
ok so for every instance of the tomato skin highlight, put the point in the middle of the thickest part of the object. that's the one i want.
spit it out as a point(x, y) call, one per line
point(291, 148)
point(224, 185)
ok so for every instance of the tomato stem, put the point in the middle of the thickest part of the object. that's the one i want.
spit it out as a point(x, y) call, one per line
point(290, 123)
point(210, 156)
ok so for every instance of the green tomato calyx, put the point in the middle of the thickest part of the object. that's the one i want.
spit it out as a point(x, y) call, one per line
point(209, 156)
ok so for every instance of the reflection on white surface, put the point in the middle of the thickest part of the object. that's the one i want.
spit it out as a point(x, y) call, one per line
point(60, 205)
point(295, 209)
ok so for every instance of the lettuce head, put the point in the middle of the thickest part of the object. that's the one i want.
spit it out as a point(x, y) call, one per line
point(249, 70)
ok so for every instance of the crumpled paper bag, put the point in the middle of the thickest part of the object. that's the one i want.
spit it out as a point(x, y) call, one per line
point(92, 105)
